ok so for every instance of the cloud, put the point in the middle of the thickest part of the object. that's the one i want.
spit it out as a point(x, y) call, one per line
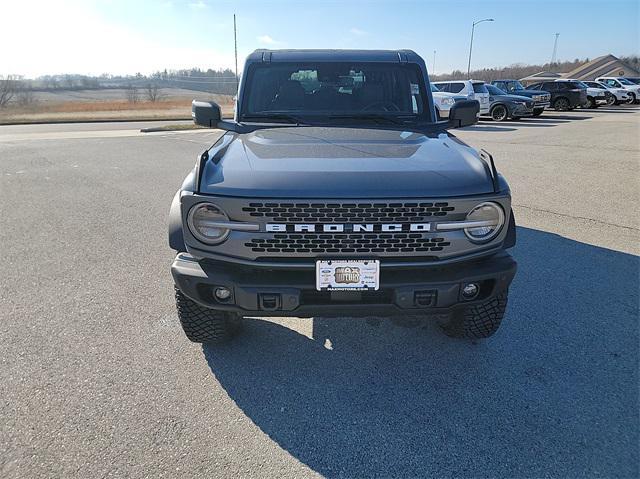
point(267, 40)
point(357, 31)
point(199, 5)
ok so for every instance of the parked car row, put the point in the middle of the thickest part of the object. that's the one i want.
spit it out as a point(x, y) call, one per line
point(509, 99)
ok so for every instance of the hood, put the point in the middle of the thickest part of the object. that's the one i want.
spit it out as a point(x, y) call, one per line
point(530, 93)
point(315, 162)
point(512, 97)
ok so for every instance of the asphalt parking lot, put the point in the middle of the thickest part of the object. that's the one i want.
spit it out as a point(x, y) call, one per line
point(98, 380)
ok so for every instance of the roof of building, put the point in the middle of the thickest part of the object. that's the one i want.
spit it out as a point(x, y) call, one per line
point(606, 65)
point(542, 76)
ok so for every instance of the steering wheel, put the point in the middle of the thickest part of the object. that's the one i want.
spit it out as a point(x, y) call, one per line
point(384, 105)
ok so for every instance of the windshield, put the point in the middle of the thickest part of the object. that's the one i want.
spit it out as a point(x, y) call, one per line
point(334, 89)
point(624, 81)
point(514, 85)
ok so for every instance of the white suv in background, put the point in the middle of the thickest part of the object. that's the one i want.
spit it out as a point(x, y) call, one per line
point(619, 82)
point(471, 89)
point(617, 95)
point(444, 101)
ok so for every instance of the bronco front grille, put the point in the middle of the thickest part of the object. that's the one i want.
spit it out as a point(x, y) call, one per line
point(347, 243)
point(347, 212)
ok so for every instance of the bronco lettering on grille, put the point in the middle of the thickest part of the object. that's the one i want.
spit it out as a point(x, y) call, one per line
point(347, 228)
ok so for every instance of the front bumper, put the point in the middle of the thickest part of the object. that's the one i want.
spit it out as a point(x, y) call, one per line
point(292, 292)
point(541, 105)
point(521, 111)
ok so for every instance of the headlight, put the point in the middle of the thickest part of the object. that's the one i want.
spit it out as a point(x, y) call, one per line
point(519, 102)
point(448, 101)
point(203, 221)
point(489, 218)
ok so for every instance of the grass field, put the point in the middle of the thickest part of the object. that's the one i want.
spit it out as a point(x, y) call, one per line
point(108, 104)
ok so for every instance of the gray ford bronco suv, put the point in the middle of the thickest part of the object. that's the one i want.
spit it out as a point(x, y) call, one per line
point(334, 191)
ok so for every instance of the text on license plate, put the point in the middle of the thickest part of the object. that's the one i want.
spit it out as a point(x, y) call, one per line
point(339, 275)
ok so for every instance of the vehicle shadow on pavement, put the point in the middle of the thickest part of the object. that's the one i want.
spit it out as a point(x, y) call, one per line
point(553, 393)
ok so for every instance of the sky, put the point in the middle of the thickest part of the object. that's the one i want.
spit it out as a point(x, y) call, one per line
point(92, 37)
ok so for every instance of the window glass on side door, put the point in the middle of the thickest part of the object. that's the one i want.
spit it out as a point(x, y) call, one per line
point(456, 87)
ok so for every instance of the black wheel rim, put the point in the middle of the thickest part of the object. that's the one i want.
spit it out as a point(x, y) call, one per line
point(499, 113)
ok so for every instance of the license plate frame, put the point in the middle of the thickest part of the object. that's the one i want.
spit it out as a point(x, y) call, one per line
point(339, 275)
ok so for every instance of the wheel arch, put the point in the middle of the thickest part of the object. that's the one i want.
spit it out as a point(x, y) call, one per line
point(176, 236)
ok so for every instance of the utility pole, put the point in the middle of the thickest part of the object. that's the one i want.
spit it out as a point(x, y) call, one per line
point(235, 46)
point(555, 50)
point(433, 65)
point(473, 27)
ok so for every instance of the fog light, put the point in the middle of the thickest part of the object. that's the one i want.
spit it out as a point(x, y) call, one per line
point(470, 290)
point(222, 294)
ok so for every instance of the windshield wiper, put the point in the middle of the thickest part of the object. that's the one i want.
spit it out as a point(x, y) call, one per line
point(276, 116)
point(373, 117)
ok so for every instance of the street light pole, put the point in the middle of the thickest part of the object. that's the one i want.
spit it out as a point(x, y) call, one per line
point(473, 27)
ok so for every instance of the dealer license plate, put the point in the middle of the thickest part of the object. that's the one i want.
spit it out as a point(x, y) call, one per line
point(347, 275)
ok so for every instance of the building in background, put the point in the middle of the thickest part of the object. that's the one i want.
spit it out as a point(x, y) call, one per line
point(604, 66)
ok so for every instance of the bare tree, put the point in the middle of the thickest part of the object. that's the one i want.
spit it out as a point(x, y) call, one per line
point(25, 95)
point(153, 92)
point(68, 82)
point(8, 88)
point(132, 94)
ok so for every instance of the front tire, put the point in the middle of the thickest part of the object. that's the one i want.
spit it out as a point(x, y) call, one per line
point(561, 104)
point(538, 112)
point(611, 100)
point(478, 321)
point(499, 113)
point(591, 103)
point(205, 325)
point(632, 98)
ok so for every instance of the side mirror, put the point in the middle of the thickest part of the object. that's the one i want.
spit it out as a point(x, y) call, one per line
point(205, 113)
point(464, 113)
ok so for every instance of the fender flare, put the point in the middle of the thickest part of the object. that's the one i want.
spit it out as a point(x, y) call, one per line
point(176, 237)
point(510, 239)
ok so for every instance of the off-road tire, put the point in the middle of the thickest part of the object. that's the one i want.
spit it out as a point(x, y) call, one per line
point(561, 104)
point(205, 325)
point(499, 113)
point(538, 112)
point(478, 321)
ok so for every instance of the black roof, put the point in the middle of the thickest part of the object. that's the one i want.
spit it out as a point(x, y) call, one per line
point(394, 56)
